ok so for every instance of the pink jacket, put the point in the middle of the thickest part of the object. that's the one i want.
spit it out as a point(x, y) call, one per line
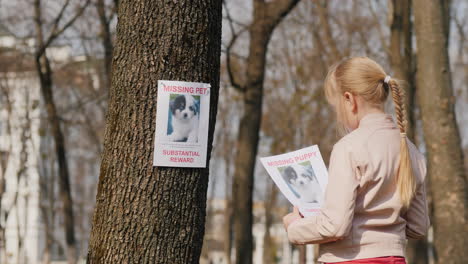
point(362, 216)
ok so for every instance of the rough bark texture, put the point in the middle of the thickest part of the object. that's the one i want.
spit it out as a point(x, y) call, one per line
point(265, 18)
point(401, 56)
point(441, 134)
point(147, 214)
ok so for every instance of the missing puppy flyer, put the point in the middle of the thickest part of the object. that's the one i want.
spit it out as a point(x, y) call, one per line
point(301, 176)
point(182, 117)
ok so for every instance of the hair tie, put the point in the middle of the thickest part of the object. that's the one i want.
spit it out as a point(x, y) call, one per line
point(387, 79)
point(403, 134)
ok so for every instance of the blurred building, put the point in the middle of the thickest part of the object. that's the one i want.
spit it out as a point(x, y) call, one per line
point(30, 211)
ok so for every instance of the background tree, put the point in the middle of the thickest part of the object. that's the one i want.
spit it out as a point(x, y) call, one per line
point(156, 214)
point(105, 20)
point(44, 71)
point(401, 58)
point(266, 16)
point(441, 134)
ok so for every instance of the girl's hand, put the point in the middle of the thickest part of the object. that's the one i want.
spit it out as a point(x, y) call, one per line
point(291, 217)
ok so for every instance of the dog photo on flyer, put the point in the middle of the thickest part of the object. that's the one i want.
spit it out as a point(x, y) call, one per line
point(182, 117)
point(301, 176)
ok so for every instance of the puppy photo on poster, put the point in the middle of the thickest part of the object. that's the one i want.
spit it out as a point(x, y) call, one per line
point(301, 176)
point(182, 118)
point(301, 179)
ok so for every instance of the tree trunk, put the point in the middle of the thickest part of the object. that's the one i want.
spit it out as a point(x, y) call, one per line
point(44, 71)
point(441, 134)
point(106, 40)
point(302, 254)
point(269, 245)
point(45, 76)
point(401, 56)
point(147, 214)
point(265, 18)
point(228, 219)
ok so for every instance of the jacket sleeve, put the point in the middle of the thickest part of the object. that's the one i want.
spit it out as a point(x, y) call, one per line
point(335, 219)
point(417, 216)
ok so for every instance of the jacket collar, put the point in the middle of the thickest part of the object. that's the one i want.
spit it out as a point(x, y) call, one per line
point(377, 119)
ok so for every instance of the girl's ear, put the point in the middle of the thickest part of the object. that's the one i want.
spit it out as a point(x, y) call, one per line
point(351, 101)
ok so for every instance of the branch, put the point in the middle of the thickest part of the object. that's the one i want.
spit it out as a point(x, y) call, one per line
point(379, 28)
point(278, 9)
point(232, 79)
point(56, 31)
point(459, 27)
point(56, 22)
point(232, 53)
point(323, 15)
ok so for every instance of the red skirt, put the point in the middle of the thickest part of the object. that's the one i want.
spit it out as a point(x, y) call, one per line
point(379, 260)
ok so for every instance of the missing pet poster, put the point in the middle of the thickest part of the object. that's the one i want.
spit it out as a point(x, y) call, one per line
point(182, 117)
point(301, 176)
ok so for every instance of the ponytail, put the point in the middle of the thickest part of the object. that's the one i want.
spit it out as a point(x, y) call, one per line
point(406, 183)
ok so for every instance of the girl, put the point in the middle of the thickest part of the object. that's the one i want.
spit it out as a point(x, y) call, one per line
point(376, 197)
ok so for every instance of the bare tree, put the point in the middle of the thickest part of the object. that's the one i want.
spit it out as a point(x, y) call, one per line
point(156, 214)
point(266, 16)
point(269, 247)
point(105, 19)
point(44, 71)
point(4, 160)
point(441, 134)
point(401, 56)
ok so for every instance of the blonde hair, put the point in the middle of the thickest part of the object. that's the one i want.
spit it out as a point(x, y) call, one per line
point(366, 78)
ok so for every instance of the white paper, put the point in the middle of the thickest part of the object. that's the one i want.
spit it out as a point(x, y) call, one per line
point(301, 176)
point(182, 117)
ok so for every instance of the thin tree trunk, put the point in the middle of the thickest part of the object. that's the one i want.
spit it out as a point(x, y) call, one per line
point(44, 71)
point(269, 247)
point(228, 219)
point(228, 211)
point(401, 56)
point(106, 40)
point(265, 18)
point(45, 77)
point(4, 161)
point(441, 134)
point(147, 214)
point(302, 254)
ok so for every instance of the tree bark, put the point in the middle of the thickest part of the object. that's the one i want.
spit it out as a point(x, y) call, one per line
point(147, 214)
point(401, 56)
point(106, 40)
point(269, 245)
point(266, 16)
point(441, 134)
